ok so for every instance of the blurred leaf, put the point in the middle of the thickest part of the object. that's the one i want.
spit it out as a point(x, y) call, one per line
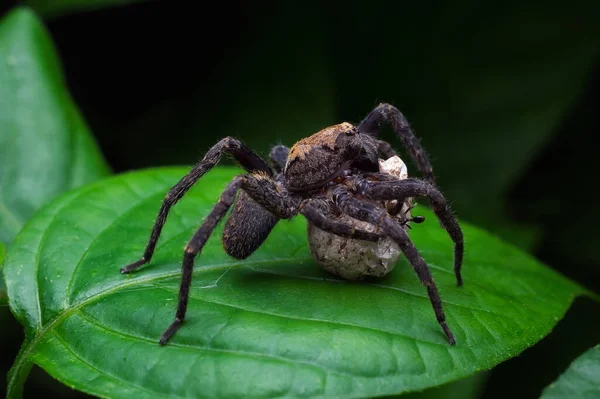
point(45, 145)
point(580, 381)
point(54, 8)
point(275, 323)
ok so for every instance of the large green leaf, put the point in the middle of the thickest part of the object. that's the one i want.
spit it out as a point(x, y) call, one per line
point(274, 325)
point(45, 146)
point(580, 381)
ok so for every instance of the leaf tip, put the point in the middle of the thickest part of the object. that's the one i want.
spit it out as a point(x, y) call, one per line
point(21, 15)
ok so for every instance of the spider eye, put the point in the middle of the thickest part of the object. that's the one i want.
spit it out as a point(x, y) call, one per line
point(351, 131)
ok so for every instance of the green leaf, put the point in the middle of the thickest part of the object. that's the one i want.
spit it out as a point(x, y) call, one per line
point(580, 381)
point(272, 325)
point(55, 8)
point(45, 145)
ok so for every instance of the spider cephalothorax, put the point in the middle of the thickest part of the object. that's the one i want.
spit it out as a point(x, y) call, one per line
point(336, 180)
point(315, 161)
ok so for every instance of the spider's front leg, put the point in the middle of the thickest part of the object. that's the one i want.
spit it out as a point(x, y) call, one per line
point(263, 191)
point(379, 217)
point(408, 188)
point(245, 156)
point(386, 113)
point(312, 209)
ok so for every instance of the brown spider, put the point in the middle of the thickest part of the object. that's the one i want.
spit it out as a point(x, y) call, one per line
point(333, 172)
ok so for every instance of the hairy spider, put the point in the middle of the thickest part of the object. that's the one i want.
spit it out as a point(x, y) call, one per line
point(331, 173)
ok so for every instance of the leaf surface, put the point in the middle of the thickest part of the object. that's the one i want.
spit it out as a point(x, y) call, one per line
point(274, 325)
point(580, 381)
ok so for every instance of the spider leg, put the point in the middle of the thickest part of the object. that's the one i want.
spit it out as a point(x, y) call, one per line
point(312, 211)
point(386, 149)
point(254, 185)
point(386, 113)
point(402, 189)
point(379, 217)
point(245, 156)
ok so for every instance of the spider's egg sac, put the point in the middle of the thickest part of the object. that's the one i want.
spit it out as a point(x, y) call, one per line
point(355, 259)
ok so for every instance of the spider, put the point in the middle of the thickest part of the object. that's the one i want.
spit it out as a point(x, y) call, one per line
point(333, 172)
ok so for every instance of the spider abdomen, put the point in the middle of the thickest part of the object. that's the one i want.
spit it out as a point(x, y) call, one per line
point(247, 227)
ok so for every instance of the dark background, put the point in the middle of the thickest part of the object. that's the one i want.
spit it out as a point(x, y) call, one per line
point(504, 97)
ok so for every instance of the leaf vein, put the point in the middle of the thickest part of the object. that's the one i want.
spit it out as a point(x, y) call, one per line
point(90, 319)
point(100, 371)
point(338, 323)
point(69, 289)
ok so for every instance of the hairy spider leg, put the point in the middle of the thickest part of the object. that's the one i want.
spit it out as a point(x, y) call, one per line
point(402, 189)
point(263, 191)
point(245, 156)
point(379, 217)
point(386, 113)
point(311, 209)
